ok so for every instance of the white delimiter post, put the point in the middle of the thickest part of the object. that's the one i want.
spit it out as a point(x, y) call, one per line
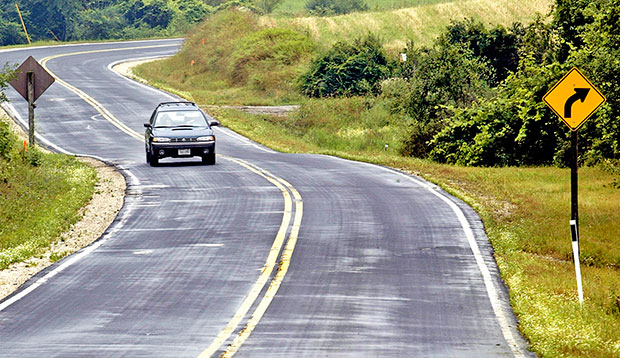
point(575, 236)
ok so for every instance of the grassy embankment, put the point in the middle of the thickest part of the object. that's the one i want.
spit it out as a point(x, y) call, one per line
point(525, 210)
point(40, 197)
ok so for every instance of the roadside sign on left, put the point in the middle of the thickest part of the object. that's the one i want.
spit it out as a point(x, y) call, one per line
point(31, 81)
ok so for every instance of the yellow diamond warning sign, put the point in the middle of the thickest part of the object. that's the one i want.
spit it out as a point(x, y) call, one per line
point(574, 99)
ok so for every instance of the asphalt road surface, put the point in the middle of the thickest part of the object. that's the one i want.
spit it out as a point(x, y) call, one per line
point(264, 254)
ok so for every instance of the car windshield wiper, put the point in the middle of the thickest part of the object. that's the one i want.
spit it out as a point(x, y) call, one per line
point(162, 126)
point(185, 126)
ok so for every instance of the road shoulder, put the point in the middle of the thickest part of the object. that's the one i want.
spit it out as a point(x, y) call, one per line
point(108, 199)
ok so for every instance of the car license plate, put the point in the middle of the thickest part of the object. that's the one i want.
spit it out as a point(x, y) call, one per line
point(185, 151)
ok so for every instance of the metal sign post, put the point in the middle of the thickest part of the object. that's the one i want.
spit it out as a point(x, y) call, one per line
point(574, 99)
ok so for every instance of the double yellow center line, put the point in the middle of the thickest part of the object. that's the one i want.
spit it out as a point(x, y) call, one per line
point(276, 281)
point(291, 212)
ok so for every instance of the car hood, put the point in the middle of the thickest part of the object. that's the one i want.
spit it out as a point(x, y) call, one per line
point(182, 132)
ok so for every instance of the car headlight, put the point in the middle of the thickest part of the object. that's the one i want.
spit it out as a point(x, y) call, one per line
point(208, 138)
point(161, 139)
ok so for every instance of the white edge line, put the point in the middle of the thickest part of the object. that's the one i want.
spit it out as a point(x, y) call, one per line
point(111, 68)
point(87, 44)
point(496, 302)
point(84, 252)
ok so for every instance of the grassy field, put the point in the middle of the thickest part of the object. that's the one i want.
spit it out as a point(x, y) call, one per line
point(40, 197)
point(421, 23)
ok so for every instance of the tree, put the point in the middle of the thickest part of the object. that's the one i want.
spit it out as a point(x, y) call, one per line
point(335, 7)
point(267, 6)
point(6, 75)
point(499, 46)
point(52, 15)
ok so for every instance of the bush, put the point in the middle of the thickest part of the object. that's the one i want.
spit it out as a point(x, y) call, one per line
point(11, 33)
point(335, 7)
point(433, 82)
point(498, 46)
point(348, 69)
point(516, 128)
point(6, 75)
point(7, 140)
point(261, 52)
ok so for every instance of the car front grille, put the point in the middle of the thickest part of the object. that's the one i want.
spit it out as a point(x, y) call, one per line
point(183, 140)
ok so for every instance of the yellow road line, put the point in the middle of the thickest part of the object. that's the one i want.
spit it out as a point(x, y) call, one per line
point(285, 261)
point(90, 100)
point(270, 263)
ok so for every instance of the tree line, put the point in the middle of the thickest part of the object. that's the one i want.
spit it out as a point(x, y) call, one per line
point(69, 20)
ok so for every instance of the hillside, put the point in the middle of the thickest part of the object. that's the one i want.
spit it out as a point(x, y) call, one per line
point(421, 23)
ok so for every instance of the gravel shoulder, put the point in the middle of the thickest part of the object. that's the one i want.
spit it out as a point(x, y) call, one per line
point(107, 201)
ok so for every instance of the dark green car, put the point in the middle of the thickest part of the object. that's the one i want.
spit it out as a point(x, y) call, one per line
point(179, 130)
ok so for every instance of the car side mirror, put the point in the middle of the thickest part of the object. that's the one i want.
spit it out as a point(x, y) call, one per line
point(214, 123)
point(147, 125)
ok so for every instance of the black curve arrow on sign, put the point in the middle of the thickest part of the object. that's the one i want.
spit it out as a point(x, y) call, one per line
point(580, 94)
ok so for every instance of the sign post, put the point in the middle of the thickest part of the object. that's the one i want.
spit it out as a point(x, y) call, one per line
point(31, 81)
point(574, 99)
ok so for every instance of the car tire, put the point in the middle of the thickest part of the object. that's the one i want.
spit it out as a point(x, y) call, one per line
point(208, 159)
point(154, 160)
point(148, 157)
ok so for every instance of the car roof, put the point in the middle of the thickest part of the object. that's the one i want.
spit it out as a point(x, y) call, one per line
point(177, 106)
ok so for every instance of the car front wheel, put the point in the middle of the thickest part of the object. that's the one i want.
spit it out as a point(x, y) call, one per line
point(208, 159)
point(152, 159)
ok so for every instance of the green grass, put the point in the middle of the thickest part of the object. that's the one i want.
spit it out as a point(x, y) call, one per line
point(240, 61)
point(40, 198)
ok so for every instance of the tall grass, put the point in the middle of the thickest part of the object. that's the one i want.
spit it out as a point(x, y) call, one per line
point(298, 7)
point(421, 23)
point(232, 58)
point(40, 197)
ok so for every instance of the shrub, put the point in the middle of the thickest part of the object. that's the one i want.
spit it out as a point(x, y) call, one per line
point(348, 69)
point(498, 46)
point(516, 128)
point(335, 7)
point(263, 51)
point(7, 140)
point(434, 80)
point(6, 75)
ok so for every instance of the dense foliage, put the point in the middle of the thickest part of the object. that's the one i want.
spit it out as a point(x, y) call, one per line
point(515, 127)
point(334, 7)
point(475, 96)
point(348, 69)
point(66, 20)
point(6, 74)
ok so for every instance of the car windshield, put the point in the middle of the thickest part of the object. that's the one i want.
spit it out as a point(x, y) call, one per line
point(180, 119)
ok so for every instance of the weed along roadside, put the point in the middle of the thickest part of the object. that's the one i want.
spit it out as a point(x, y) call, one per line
point(506, 153)
point(43, 222)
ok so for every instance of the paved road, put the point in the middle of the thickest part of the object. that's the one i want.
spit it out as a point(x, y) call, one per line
point(262, 255)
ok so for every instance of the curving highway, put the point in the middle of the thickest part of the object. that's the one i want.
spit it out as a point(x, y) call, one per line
point(264, 254)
